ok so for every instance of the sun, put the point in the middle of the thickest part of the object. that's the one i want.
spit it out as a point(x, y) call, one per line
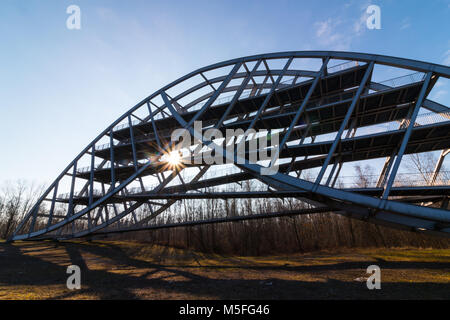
point(174, 158)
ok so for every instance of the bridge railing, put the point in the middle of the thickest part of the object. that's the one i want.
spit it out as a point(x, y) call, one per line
point(404, 80)
point(414, 179)
point(384, 85)
point(425, 179)
point(421, 120)
point(344, 66)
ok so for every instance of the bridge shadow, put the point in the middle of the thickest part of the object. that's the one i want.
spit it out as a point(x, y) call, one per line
point(109, 272)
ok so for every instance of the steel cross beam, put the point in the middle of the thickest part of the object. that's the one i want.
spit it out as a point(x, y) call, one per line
point(407, 135)
point(344, 123)
point(301, 109)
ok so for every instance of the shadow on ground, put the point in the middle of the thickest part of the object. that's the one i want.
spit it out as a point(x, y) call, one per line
point(38, 271)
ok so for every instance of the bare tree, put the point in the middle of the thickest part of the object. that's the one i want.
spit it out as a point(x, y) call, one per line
point(422, 163)
point(364, 176)
point(16, 199)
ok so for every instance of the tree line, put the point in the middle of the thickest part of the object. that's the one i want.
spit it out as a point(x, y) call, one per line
point(301, 233)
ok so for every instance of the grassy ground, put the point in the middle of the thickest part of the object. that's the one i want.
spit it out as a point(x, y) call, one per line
point(130, 270)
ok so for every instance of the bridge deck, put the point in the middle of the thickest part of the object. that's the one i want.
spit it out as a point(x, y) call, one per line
point(424, 138)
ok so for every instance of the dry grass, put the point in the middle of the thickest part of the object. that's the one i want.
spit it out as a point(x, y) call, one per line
point(132, 270)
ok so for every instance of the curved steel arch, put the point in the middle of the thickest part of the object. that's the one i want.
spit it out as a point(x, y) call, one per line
point(135, 147)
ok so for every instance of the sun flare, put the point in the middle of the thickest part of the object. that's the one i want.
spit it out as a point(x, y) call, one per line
point(174, 158)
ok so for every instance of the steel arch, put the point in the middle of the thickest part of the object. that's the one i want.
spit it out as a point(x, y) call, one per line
point(292, 99)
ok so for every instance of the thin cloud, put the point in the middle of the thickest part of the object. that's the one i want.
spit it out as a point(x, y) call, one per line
point(337, 33)
point(327, 34)
point(405, 24)
point(438, 94)
point(446, 60)
point(360, 25)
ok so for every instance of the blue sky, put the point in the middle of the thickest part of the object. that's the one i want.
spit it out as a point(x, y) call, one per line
point(60, 88)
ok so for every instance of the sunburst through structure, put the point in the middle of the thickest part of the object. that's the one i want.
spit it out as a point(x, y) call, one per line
point(173, 160)
point(332, 110)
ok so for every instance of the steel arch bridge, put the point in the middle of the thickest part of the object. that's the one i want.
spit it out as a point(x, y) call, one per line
point(329, 109)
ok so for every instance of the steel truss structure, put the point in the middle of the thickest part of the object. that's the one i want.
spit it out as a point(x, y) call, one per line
point(126, 184)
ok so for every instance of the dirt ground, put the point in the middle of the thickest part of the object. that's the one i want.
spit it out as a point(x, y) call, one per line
point(131, 270)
